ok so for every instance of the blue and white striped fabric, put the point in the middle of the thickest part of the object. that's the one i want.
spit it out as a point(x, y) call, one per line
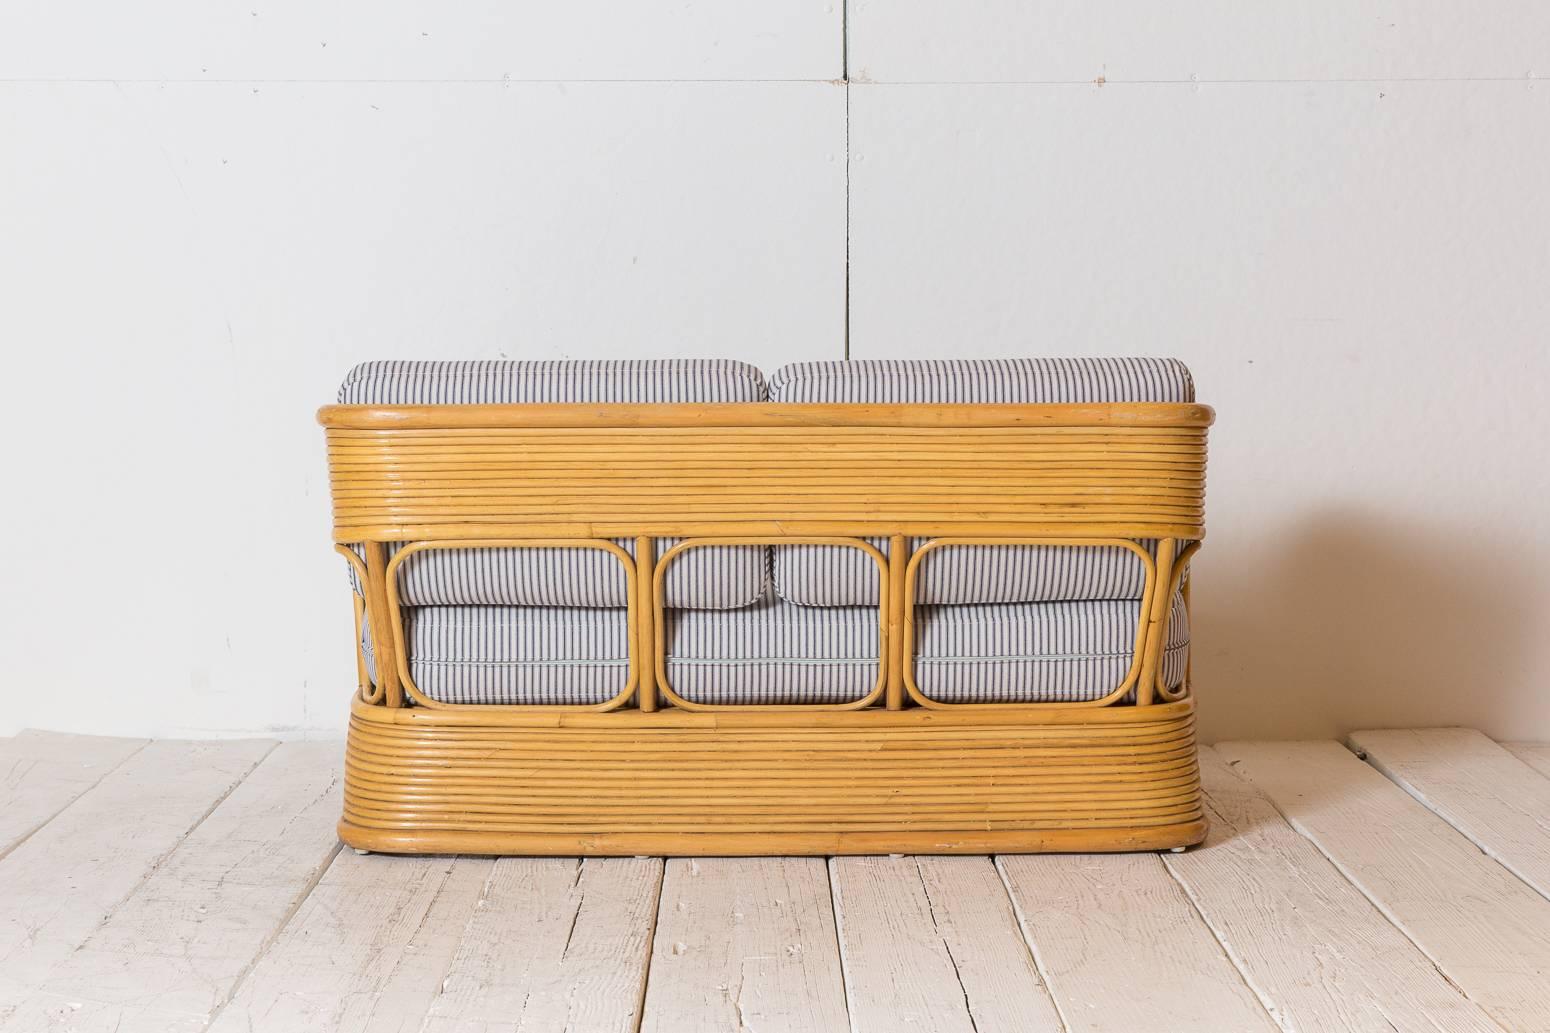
point(984, 381)
point(837, 575)
point(507, 382)
point(514, 654)
point(717, 577)
point(772, 652)
point(776, 652)
point(1065, 652)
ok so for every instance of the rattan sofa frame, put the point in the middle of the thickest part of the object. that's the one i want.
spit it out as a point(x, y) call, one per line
point(649, 772)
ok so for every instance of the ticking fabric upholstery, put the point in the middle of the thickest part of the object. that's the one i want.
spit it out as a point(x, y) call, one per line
point(513, 654)
point(1005, 381)
point(772, 652)
point(1063, 652)
point(504, 382)
point(838, 575)
point(718, 577)
point(776, 652)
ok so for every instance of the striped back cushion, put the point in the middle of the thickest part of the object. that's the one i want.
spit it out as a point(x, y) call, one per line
point(504, 382)
point(984, 381)
point(718, 577)
point(834, 575)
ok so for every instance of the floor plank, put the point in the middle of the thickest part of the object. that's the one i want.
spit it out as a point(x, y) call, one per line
point(170, 955)
point(1498, 801)
point(71, 874)
point(931, 944)
point(1486, 930)
point(367, 951)
point(745, 943)
point(555, 944)
point(1316, 951)
point(42, 772)
point(1122, 948)
point(1535, 754)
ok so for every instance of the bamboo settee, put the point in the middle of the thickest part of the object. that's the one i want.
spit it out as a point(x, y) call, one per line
point(651, 771)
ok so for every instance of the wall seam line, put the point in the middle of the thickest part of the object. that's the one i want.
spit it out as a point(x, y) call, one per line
point(845, 85)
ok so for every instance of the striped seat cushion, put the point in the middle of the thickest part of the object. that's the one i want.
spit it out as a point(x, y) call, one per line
point(715, 578)
point(1063, 652)
point(514, 654)
point(1003, 381)
point(837, 575)
point(775, 652)
point(505, 382)
point(718, 577)
point(772, 652)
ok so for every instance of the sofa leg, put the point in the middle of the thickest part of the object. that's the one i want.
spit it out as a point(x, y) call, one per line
point(358, 850)
point(1177, 849)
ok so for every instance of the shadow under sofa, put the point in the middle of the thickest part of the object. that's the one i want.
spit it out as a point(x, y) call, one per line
point(633, 607)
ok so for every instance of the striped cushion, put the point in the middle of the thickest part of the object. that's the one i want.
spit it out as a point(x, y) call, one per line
point(1035, 652)
point(503, 382)
point(514, 654)
point(836, 575)
point(718, 577)
point(985, 380)
point(772, 652)
point(1009, 381)
point(778, 653)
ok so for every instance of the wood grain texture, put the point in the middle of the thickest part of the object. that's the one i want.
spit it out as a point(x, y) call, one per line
point(1484, 928)
point(745, 944)
point(1495, 799)
point(1122, 949)
point(1535, 754)
point(42, 772)
point(367, 952)
point(931, 944)
point(171, 953)
point(628, 782)
point(73, 872)
point(553, 945)
point(1316, 951)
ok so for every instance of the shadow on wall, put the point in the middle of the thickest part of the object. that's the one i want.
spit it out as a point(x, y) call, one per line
point(1352, 622)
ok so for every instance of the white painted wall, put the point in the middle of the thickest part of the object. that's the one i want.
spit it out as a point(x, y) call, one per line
point(1334, 212)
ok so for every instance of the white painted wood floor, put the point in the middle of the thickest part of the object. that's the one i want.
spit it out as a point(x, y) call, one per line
point(1399, 882)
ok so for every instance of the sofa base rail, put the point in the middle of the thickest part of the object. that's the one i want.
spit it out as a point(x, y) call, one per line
point(857, 782)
